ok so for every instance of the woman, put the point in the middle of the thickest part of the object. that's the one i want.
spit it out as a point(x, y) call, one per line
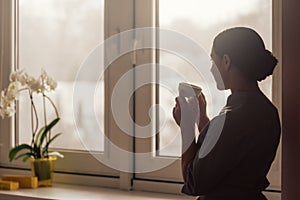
point(234, 151)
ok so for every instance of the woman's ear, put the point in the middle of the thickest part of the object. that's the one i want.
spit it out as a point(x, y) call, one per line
point(226, 62)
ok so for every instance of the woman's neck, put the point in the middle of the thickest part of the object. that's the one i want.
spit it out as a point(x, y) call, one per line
point(245, 87)
point(240, 83)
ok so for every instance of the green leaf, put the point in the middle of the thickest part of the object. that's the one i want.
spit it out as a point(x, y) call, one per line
point(39, 135)
point(25, 155)
point(13, 152)
point(45, 149)
point(25, 158)
point(39, 141)
point(37, 151)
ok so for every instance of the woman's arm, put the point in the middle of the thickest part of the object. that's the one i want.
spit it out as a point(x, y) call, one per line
point(187, 125)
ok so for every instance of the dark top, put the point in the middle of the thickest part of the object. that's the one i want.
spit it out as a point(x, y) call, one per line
point(237, 149)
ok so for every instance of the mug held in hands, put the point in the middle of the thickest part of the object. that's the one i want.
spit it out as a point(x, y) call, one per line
point(188, 90)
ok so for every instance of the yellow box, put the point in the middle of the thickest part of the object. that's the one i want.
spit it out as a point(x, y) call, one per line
point(24, 181)
point(9, 185)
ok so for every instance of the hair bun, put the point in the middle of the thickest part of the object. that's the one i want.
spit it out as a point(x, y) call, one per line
point(268, 63)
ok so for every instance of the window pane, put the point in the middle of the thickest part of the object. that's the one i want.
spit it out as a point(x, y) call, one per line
point(202, 21)
point(57, 36)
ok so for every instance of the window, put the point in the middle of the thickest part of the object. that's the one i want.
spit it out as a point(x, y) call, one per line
point(60, 35)
point(202, 21)
point(196, 22)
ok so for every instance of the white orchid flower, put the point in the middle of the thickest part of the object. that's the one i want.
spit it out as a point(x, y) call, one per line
point(51, 83)
point(7, 108)
point(12, 95)
point(2, 97)
point(34, 85)
point(44, 75)
point(10, 111)
point(14, 86)
point(24, 78)
point(2, 105)
point(16, 76)
point(47, 82)
point(5, 102)
point(12, 91)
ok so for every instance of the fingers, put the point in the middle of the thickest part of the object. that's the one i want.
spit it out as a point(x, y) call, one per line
point(202, 101)
point(181, 102)
point(177, 102)
point(202, 97)
point(177, 112)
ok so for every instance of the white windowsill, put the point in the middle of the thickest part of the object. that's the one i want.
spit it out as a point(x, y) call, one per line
point(63, 189)
point(73, 192)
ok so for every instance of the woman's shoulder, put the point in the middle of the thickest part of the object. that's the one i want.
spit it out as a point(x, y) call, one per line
point(250, 103)
point(245, 110)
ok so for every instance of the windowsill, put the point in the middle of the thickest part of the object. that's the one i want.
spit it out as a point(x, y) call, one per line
point(74, 192)
point(63, 189)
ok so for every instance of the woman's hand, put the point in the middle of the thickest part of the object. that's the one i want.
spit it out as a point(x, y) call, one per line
point(186, 112)
point(203, 114)
point(177, 112)
point(202, 111)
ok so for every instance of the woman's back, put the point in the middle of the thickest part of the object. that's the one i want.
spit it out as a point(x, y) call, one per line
point(237, 164)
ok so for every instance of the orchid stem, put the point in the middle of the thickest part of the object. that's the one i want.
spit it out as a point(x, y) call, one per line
point(56, 111)
point(33, 112)
point(52, 103)
point(45, 112)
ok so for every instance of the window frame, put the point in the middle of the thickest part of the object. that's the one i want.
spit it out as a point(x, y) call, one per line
point(71, 164)
point(171, 176)
point(142, 17)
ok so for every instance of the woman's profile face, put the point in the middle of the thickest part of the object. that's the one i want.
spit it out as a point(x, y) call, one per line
point(217, 70)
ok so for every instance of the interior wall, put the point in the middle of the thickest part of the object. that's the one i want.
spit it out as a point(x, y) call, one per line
point(290, 100)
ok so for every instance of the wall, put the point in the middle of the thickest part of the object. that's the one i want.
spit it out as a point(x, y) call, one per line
point(290, 100)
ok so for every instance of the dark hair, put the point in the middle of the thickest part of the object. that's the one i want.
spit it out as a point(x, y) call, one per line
point(246, 50)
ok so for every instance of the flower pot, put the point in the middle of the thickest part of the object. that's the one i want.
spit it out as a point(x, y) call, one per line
point(43, 169)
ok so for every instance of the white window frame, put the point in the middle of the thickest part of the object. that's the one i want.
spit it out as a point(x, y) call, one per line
point(131, 14)
point(169, 178)
point(75, 163)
